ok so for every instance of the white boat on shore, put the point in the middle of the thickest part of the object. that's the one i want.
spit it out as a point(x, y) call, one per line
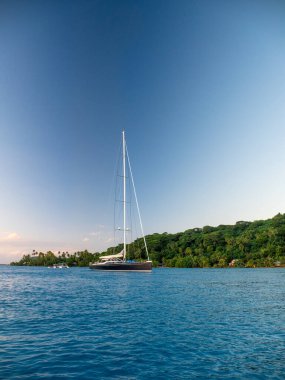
point(59, 266)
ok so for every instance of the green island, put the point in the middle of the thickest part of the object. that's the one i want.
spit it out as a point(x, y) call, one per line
point(246, 244)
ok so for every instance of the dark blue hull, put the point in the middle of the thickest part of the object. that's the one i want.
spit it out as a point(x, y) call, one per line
point(123, 266)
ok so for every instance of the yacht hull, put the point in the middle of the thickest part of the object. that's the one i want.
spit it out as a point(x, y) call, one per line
point(123, 266)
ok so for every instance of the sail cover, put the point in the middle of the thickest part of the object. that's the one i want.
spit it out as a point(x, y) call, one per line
point(110, 257)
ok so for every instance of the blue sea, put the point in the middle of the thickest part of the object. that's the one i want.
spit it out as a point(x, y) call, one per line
point(169, 324)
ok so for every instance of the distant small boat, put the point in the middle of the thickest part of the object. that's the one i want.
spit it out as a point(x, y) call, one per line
point(119, 262)
point(59, 266)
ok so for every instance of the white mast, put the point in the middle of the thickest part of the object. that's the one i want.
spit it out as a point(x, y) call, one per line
point(124, 186)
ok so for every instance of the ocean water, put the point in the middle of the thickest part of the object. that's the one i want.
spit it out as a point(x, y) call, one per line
point(170, 324)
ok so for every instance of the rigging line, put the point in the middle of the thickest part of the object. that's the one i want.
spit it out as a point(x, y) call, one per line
point(135, 193)
point(124, 192)
point(130, 210)
point(115, 182)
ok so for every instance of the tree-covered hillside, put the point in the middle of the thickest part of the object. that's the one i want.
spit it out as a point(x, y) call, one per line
point(245, 244)
point(260, 243)
point(81, 259)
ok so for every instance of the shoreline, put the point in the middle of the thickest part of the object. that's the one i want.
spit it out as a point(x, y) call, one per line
point(158, 267)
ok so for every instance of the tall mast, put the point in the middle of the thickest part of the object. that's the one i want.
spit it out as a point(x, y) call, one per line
point(124, 187)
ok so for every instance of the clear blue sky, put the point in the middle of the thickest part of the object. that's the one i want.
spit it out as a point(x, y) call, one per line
point(199, 87)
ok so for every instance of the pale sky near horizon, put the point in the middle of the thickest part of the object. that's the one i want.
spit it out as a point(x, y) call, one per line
point(199, 87)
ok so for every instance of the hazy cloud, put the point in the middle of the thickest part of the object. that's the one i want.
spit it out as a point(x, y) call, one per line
point(98, 233)
point(9, 236)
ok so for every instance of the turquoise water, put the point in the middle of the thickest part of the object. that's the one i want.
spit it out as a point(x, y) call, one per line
point(170, 324)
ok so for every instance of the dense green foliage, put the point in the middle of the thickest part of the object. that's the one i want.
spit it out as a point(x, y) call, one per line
point(81, 259)
point(249, 244)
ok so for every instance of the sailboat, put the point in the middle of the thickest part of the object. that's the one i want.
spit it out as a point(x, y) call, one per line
point(119, 261)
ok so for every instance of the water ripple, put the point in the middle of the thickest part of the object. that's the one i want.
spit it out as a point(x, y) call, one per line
point(170, 324)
